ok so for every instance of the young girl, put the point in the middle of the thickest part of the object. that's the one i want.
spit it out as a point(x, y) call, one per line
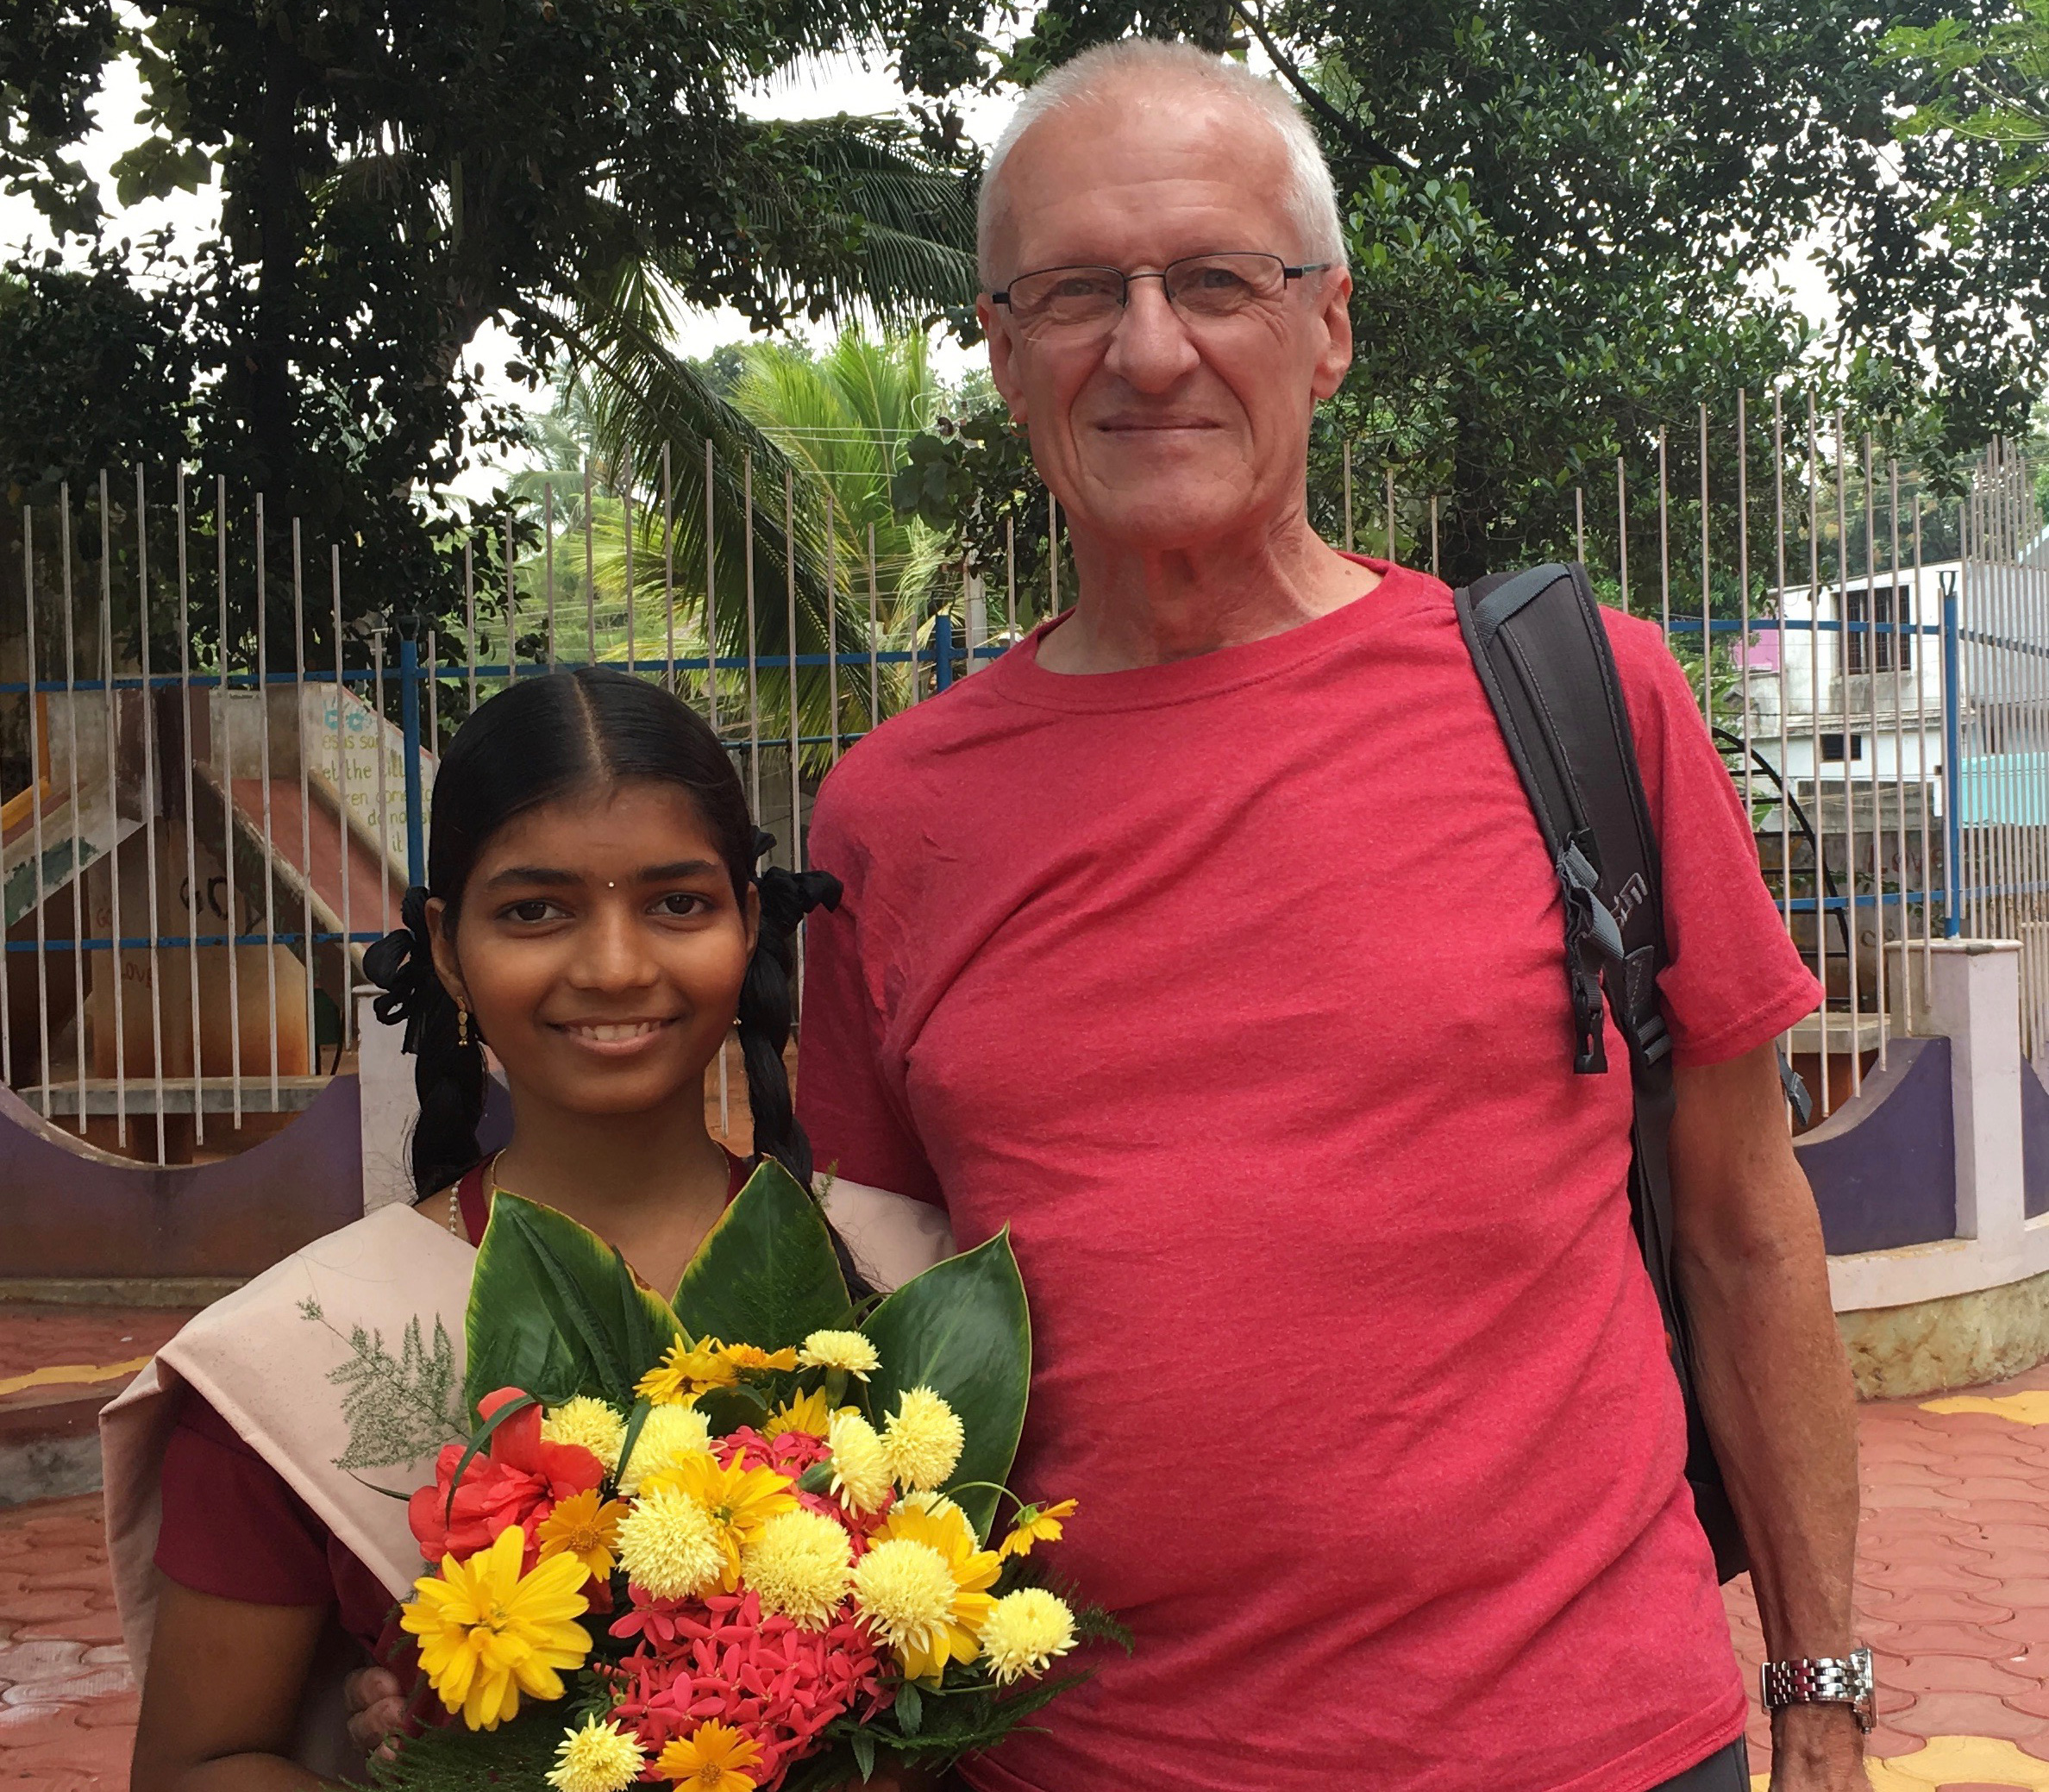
point(593, 913)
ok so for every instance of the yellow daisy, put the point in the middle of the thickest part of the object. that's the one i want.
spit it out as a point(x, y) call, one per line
point(747, 1356)
point(582, 1527)
point(713, 1757)
point(1035, 1523)
point(808, 1413)
point(488, 1633)
point(598, 1757)
point(685, 1372)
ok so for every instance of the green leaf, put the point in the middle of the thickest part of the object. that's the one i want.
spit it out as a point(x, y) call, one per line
point(962, 1330)
point(766, 1274)
point(864, 1754)
point(910, 1710)
point(555, 1311)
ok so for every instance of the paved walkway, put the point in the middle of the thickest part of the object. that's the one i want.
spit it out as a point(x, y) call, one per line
point(1953, 1590)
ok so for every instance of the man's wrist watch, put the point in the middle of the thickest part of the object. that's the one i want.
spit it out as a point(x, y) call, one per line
point(1823, 1680)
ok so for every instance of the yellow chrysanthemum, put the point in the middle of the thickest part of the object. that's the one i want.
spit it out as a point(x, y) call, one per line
point(488, 1633)
point(598, 1757)
point(747, 1356)
point(1035, 1523)
point(1024, 1632)
point(739, 1500)
point(860, 1470)
point(923, 1439)
point(685, 1372)
point(590, 1424)
point(670, 1435)
point(846, 1351)
point(801, 1565)
point(928, 1595)
point(713, 1757)
point(809, 1412)
point(582, 1527)
point(669, 1545)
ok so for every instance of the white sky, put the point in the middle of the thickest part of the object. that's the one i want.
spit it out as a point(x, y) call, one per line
point(839, 84)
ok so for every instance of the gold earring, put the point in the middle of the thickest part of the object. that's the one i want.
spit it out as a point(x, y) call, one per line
point(463, 1030)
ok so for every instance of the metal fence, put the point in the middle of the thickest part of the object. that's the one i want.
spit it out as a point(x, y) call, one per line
point(203, 820)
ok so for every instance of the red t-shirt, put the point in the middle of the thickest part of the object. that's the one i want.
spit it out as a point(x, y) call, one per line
point(1235, 987)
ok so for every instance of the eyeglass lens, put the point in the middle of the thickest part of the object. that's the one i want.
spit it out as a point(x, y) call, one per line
point(1207, 286)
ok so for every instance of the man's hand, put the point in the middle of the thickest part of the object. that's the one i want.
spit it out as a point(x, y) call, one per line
point(376, 1711)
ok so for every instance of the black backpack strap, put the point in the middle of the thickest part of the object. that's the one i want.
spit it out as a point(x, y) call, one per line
point(1543, 657)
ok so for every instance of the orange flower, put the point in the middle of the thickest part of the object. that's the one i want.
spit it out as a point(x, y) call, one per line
point(1035, 1523)
point(713, 1757)
point(747, 1356)
point(579, 1526)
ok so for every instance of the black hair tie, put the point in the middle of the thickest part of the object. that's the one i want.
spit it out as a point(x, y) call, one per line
point(788, 896)
point(401, 964)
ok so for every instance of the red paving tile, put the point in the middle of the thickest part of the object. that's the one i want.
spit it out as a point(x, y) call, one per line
point(36, 1337)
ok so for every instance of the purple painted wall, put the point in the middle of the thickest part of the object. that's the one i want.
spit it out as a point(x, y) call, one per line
point(2034, 1141)
point(65, 1214)
point(1883, 1167)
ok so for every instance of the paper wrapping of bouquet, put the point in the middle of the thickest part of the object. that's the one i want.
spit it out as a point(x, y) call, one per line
point(342, 1366)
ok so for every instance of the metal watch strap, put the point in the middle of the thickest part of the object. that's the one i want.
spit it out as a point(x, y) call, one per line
point(1826, 1680)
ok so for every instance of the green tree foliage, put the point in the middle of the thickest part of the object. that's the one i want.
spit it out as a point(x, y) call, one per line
point(1992, 80)
point(393, 176)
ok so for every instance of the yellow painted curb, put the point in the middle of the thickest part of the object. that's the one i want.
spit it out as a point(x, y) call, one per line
point(58, 1373)
point(1951, 1760)
point(2030, 1408)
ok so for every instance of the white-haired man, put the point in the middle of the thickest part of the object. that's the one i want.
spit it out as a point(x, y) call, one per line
point(1206, 941)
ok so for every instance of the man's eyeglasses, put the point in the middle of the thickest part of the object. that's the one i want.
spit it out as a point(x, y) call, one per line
point(1080, 302)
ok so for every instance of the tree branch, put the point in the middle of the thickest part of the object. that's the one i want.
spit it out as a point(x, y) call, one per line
point(1361, 139)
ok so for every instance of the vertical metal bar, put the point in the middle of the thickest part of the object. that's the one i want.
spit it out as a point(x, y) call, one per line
point(626, 571)
point(1664, 544)
point(1009, 573)
point(111, 708)
point(1813, 487)
point(342, 806)
point(1878, 991)
point(408, 725)
point(305, 790)
point(669, 569)
point(754, 689)
point(1390, 499)
point(469, 610)
point(832, 624)
point(711, 630)
point(876, 635)
point(1706, 591)
point(1052, 576)
point(1348, 496)
point(943, 650)
point(789, 642)
point(1785, 671)
point(150, 806)
point(77, 795)
point(1850, 931)
point(224, 765)
point(383, 780)
point(1622, 531)
point(589, 569)
point(512, 601)
point(1921, 734)
point(270, 863)
point(1743, 590)
point(194, 895)
point(1433, 535)
point(1952, 778)
point(431, 740)
point(1579, 524)
point(547, 532)
point(1902, 653)
point(38, 754)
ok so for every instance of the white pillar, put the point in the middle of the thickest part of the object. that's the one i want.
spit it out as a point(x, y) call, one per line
point(1974, 997)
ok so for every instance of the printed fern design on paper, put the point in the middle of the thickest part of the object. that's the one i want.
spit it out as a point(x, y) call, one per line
point(398, 1408)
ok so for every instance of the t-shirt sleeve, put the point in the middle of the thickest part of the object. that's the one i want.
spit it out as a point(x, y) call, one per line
point(231, 1526)
point(1733, 978)
point(849, 1106)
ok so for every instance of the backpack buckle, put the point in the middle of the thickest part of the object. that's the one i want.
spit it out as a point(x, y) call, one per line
point(1590, 935)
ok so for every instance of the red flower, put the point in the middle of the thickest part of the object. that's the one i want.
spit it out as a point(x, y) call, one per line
point(719, 1657)
point(516, 1481)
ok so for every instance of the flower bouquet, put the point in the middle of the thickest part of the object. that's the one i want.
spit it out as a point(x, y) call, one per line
point(739, 1541)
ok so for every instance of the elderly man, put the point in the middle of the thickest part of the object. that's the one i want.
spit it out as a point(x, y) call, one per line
point(1207, 941)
